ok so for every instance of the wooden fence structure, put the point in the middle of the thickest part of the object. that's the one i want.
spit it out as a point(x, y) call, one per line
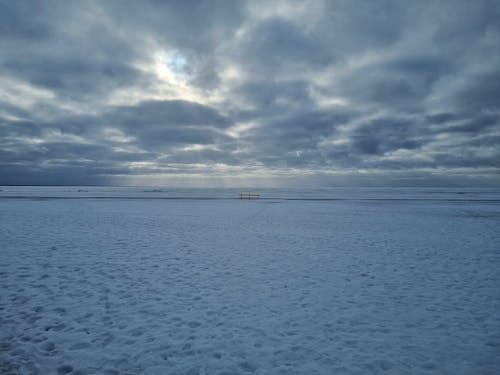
point(249, 195)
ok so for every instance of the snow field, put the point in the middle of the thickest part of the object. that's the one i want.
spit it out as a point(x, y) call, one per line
point(111, 286)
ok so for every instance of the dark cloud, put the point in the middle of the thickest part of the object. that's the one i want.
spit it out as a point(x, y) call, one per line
point(474, 125)
point(192, 25)
point(280, 41)
point(160, 124)
point(72, 77)
point(271, 96)
point(383, 135)
point(12, 25)
point(10, 129)
point(296, 132)
point(168, 113)
point(93, 92)
point(482, 93)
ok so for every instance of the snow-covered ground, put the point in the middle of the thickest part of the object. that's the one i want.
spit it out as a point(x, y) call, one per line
point(379, 282)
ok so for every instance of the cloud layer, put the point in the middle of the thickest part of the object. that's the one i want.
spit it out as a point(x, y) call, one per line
point(231, 93)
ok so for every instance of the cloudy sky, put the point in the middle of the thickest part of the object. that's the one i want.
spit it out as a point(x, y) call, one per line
point(232, 93)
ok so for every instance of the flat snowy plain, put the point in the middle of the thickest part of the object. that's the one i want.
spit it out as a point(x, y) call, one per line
point(133, 281)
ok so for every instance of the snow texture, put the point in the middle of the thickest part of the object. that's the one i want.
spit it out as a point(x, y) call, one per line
point(385, 282)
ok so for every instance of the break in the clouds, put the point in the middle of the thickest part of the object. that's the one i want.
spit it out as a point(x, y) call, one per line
point(258, 92)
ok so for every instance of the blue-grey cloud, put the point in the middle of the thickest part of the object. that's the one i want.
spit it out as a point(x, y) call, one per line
point(93, 92)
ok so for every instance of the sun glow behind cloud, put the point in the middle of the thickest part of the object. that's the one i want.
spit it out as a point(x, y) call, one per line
point(170, 80)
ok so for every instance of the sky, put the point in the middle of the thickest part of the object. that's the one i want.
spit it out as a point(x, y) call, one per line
point(256, 93)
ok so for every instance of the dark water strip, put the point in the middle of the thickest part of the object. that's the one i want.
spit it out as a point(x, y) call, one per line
point(201, 198)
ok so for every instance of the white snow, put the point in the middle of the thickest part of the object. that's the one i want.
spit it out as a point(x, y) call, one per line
point(387, 281)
